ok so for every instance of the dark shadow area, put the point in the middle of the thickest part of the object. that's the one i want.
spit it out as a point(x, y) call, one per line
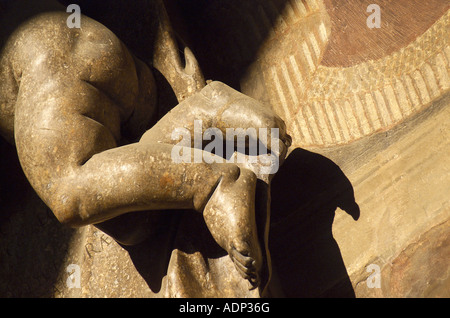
point(33, 243)
point(306, 258)
point(226, 35)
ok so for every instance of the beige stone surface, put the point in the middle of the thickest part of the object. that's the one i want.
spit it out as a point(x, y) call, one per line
point(401, 181)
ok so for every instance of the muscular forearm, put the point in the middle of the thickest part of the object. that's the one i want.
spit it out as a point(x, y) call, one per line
point(134, 178)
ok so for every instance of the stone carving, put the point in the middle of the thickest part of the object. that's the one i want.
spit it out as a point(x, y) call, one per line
point(374, 101)
point(76, 102)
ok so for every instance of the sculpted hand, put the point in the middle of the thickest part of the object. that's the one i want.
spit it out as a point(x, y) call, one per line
point(248, 113)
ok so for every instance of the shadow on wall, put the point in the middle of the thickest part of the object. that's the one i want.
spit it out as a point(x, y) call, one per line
point(306, 258)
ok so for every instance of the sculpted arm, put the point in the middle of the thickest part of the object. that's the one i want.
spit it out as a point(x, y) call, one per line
point(72, 161)
point(67, 132)
point(78, 91)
